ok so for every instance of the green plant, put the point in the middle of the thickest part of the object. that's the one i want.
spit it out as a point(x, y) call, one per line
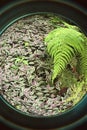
point(78, 90)
point(21, 59)
point(18, 61)
point(55, 21)
point(26, 44)
point(63, 44)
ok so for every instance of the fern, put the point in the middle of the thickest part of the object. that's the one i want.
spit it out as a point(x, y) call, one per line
point(63, 44)
point(82, 63)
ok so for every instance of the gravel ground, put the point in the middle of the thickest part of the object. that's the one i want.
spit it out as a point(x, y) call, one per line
point(26, 68)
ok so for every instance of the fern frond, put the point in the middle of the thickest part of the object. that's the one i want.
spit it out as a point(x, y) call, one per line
point(63, 44)
point(63, 49)
point(55, 42)
point(82, 63)
point(61, 60)
point(71, 26)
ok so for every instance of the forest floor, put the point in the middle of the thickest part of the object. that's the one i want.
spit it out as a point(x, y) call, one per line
point(26, 69)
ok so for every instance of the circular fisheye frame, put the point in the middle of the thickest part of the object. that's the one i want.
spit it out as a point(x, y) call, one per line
point(43, 65)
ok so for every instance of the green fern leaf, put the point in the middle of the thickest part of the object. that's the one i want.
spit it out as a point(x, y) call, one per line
point(60, 63)
point(63, 44)
point(82, 63)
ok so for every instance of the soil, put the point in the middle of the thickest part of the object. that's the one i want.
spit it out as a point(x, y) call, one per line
point(26, 69)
